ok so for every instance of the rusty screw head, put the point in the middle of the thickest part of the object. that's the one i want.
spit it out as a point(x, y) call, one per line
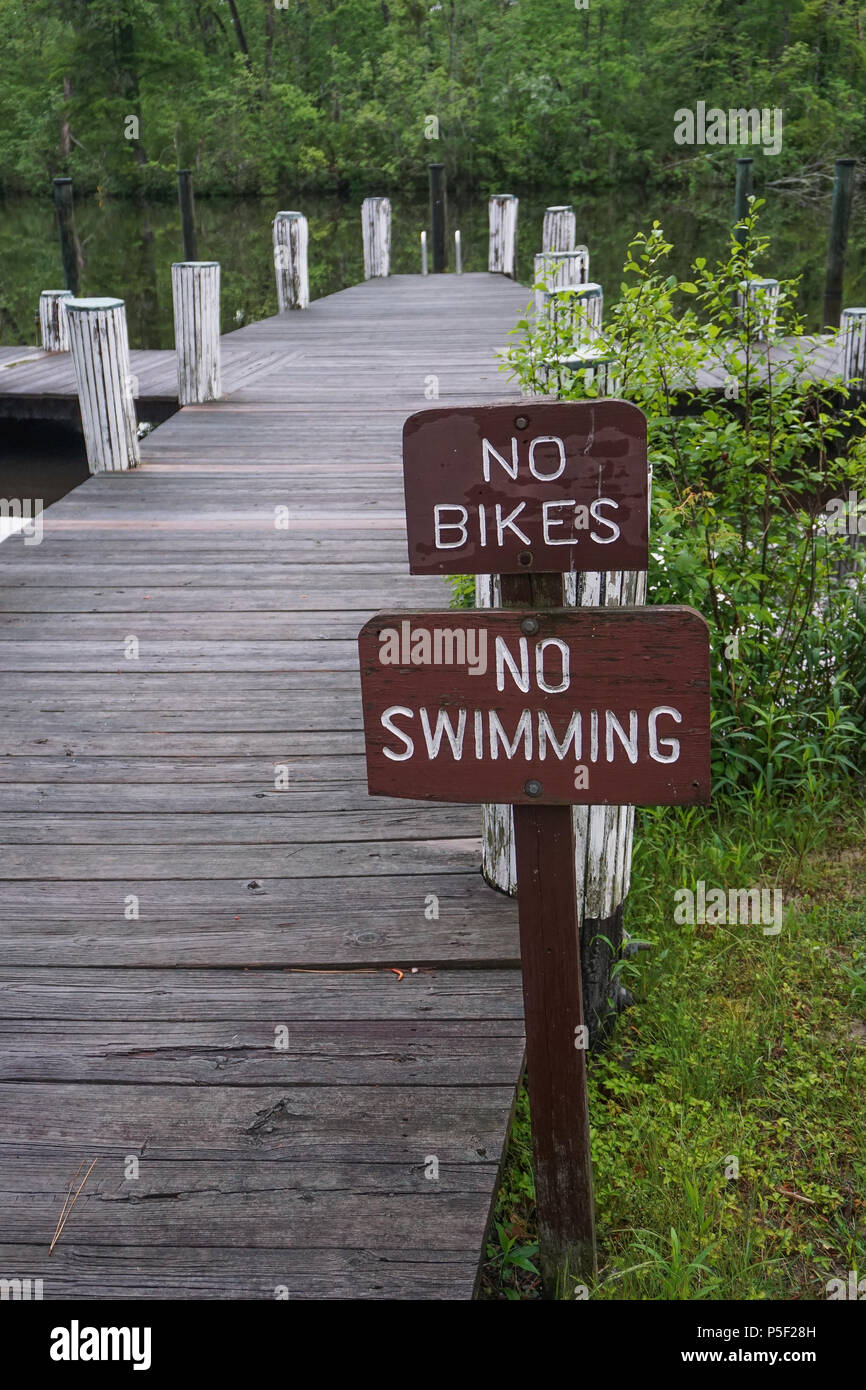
point(533, 788)
point(521, 422)
point(525, 558)
point(529, 626)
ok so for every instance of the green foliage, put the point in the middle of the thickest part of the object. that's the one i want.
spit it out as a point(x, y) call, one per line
point(462, 590)
point(255, 94)
point(738, 1046)
point(738, 528)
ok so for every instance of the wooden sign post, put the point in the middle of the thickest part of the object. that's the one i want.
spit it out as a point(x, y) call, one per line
point(540, 706)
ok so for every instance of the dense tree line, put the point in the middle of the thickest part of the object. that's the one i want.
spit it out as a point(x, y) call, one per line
point(257, 95)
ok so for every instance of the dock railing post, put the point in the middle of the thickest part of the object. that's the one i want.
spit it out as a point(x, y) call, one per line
point(853, 327)
point(52, 320)
point(502, 249)
point(187, 214)
point(195, 292)
point(376, 232)
point(758, 304)
point(423, 253)
point(66, 230)
point(99, 347)
point(559, 230)
point(560, 270)
point(458, 254)
point(437, 216)
point(291, 240)
point(840, 216)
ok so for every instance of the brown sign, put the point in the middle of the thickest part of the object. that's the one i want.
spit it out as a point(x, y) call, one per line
point(536, 486)
point(586, 706)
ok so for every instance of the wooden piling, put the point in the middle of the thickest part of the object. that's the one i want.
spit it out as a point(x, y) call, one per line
point(52, 320)
point(195, 290)
point(559, 270)
point(576, 311)
point(291, 240)
point(376, 231)
point(758, 302)
point(559, 230)
point(840, 216)
point(423, 253)
point(99, 347)
point(854, 345)
point(502, 247)
point(187, 214)
point(438, 216)
point(66, 228)
point(458, 254)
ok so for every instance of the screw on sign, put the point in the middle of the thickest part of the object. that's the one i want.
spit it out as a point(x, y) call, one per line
point(538, 705)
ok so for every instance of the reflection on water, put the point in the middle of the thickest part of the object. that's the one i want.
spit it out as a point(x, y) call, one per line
point(128, 248)
point(40, 461)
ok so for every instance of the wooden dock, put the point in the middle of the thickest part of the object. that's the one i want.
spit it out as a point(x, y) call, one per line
point(285, 1022)
point(37, 385)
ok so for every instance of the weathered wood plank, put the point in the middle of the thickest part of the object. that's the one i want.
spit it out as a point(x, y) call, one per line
point(279, 996)
point(373, 1052)
point(136, 1272)
point(446, 919)
point(459, 1124)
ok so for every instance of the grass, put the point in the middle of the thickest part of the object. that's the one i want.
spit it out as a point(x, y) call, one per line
point(728, 1115)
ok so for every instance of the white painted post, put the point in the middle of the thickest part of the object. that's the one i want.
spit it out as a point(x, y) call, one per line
point(195, 290)
point(559, 270)
point(559, 230)
point(576, 311)
point(758, 301)
point(423, 253)
point(291, 236)
point(603, 835)
point(596, 366)
point(502, 217)
point(376, 230)
point(52, 320)
point(853, 327)
point(458, 254)
point(99, 347)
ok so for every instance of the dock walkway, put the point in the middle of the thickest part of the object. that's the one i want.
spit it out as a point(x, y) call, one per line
point(285, 1022)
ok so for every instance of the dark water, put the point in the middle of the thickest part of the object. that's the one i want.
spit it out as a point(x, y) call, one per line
point(128, 248)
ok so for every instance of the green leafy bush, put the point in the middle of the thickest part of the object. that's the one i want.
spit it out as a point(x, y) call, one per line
point(741, 479)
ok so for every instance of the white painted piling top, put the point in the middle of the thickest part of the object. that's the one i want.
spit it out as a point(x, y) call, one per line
point(589, 290)
point(68, 293)
point(202, 263)
point(559, 207)
point(502, 195)
point(855, 310)
point(290, 214)
point(86, 304)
